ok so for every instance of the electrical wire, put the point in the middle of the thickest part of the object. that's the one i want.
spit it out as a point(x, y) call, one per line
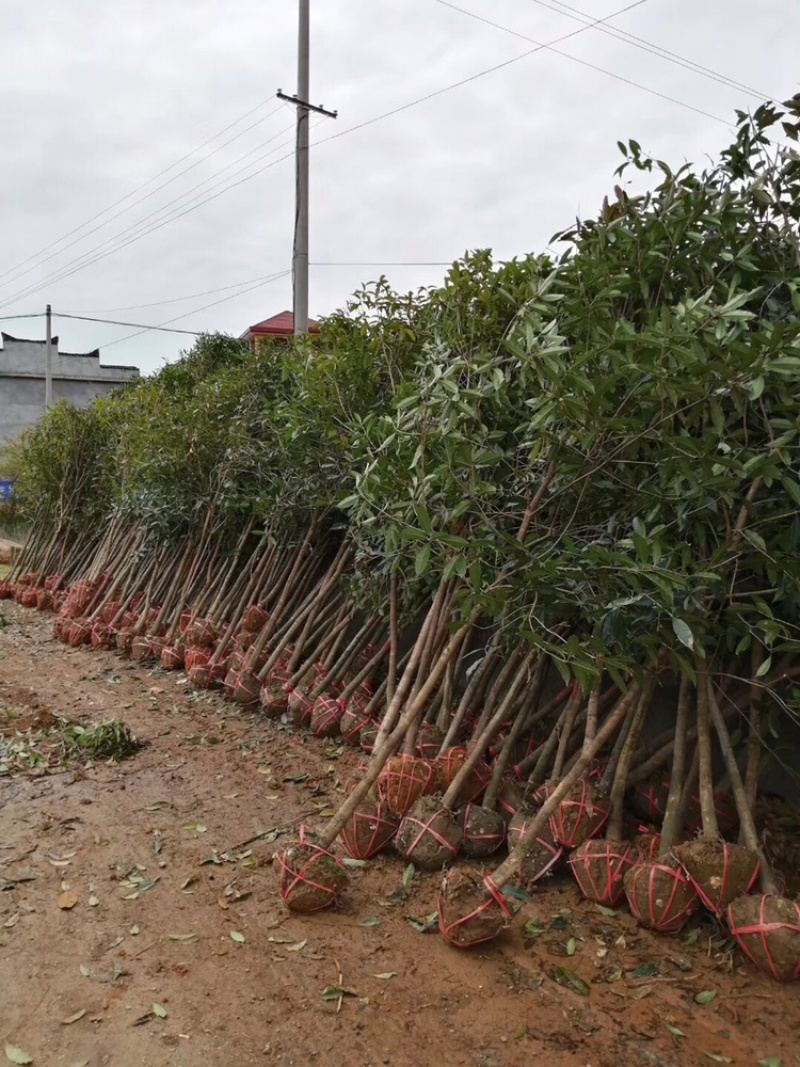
point(32, 315)
point(654, 49)
point(584, 62)
point(101, 251)
point(117, 322)
point(138, 188)
point(178, 299)
point(539, 46)
point(196, 311)
point(53, 255)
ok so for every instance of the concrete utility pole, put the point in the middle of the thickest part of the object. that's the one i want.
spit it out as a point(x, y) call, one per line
point(304, 109)
point(300, 261)
point(48, 353)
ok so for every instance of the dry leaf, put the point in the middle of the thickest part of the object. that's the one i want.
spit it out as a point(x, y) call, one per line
point(85, 970)
point(17, 1055)
point(386, 975)
point(93, 901)
point(67, 900)
point(160, 1011)
point(298, 946)
point(236, 936)
point(12, 921)
point(73, 1018)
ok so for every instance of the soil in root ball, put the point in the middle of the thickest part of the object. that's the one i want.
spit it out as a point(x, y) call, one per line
point(768, 930)
point(719, 870)
point(430, 835)
point(468, 913)
point(309, 878)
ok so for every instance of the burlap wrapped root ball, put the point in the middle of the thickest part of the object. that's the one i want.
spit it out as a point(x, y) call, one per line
point(402, 782)
point(471, 908)
point(368, 830)
point(599, 867)
point(484, 831)
point(309, 877)
point(718, 870)
point(660, 895)
point(767, 929)
point(582, 813)
point(542, 855)
point(430, 835)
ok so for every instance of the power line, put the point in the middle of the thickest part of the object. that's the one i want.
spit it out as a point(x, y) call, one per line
point(143, 185)
point(32, 315)
point(399, 263)
point(539, 46)
point(116, 322)
point(654, 49)
point(196, 311)
point(584, 62)
point(96, 254)
point(53, 255)
point(180, 299)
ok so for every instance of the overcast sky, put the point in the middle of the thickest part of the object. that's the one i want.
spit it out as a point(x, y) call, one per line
point(99, 99)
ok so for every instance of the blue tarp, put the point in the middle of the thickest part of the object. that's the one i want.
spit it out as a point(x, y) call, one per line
point(5, 490)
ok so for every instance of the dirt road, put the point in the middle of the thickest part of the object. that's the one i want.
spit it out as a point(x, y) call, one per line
point(140, 923)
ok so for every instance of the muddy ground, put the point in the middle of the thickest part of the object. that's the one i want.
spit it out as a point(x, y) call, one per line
point(140, 922)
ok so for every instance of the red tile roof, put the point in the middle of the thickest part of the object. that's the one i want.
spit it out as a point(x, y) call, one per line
point(280, 325)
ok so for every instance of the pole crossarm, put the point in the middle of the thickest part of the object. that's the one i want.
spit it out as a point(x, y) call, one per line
point(309, 107)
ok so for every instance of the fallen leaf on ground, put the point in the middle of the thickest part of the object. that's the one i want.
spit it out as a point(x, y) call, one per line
point(182, 937)
point(160, 1011)
point(93, 901)
point(12, 921)
point(17, 1055)
point(706, 996)
point(368, 923)
point(85, 970)
point(569, 980)
point(67, 900)
point(298, 946)
point(385, 976)
point(73, 1018)
point(236, 936)
point(674, 1030)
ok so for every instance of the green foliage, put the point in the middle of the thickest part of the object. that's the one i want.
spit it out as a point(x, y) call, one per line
point(601, 452)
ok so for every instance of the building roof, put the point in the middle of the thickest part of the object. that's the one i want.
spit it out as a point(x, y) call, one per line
point(280, 325)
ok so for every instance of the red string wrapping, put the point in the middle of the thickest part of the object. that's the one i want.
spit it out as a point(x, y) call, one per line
point(776, 920)
point(580, 815)
point(542, 855)
point(292, 879)
point(326, 717)
point(369, 830)
point(454, 931)
point(599, 868)
point(172, 658)
point(660, 895)
point(402, 782)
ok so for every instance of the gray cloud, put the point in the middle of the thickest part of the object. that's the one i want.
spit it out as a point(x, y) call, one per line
point(99, 98)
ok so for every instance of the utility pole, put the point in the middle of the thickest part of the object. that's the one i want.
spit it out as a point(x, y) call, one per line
point(48, 351)
point(304, 109)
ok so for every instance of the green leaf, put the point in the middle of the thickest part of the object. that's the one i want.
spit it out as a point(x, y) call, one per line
point(424, 925)
point(160, 1011)
point(370, 923)
point(645, 970)
point(770, 1061)
point(385, 975)
point(236, 936)
point(608, 912)
point(684, 633)
point(764, 668)
point(706, 996)
point(16, 1054)
point(715, 1056)
point(408, 874)
point(350, 862)
point(422, 560)
point(569, 980)
point(674, 1030)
